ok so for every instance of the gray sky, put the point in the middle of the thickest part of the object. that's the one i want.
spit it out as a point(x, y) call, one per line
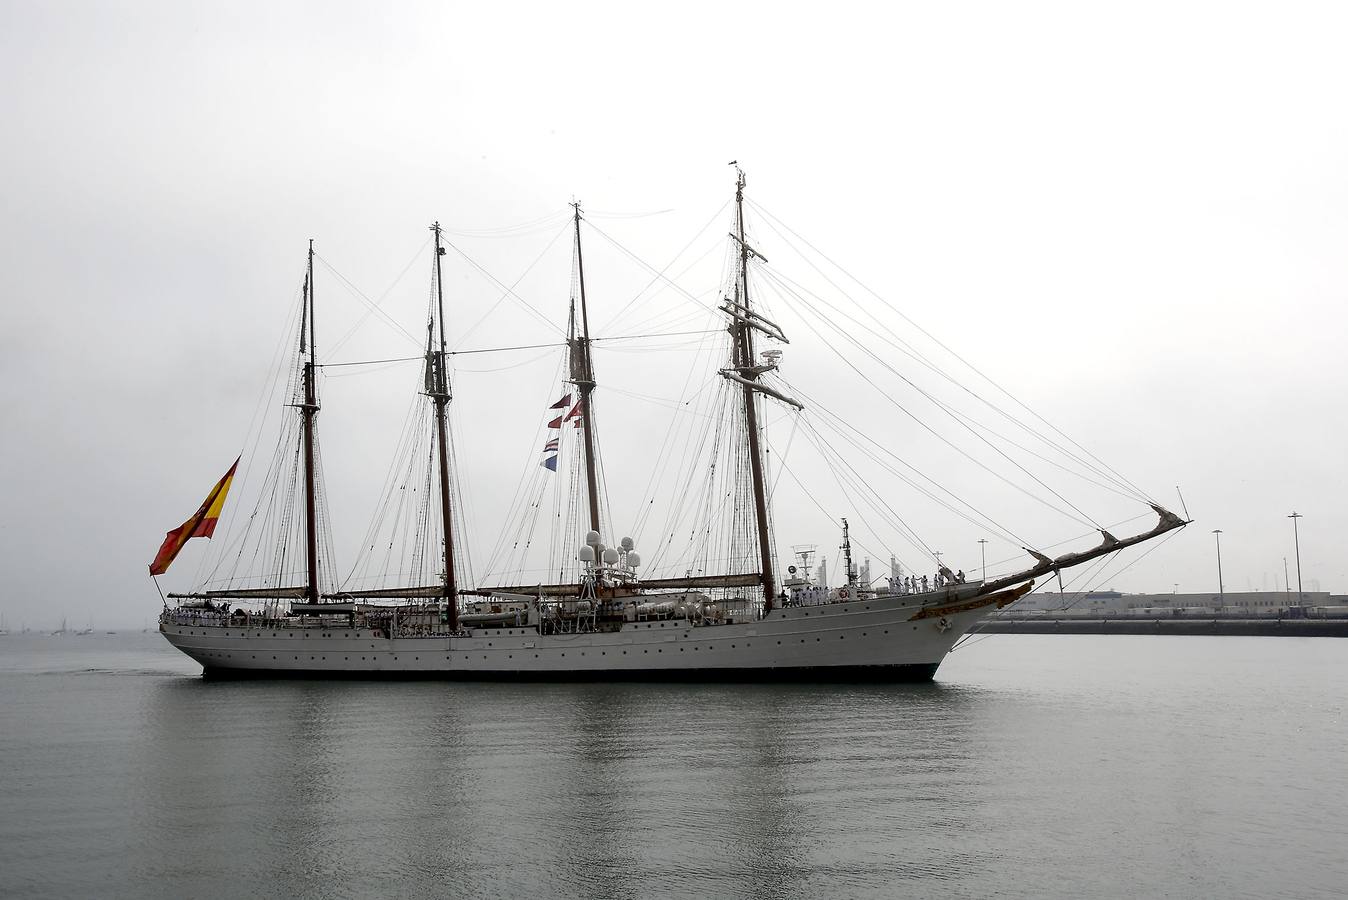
point(1132, 217)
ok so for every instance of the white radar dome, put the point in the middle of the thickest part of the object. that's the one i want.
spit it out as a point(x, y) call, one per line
point(627, 543)
point(592, 538)
point(633, 558)
point(610, 556)
point(587, 554)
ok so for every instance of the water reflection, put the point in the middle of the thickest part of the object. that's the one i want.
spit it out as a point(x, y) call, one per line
point(1057, 776)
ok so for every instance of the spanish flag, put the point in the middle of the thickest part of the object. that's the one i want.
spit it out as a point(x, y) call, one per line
point(200, 525)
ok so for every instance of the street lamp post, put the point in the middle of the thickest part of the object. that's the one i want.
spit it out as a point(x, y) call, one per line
point(1221, 588)
point(983, 550)
point(1297, 541)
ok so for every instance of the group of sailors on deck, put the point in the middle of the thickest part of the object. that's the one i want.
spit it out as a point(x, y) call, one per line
point(912, 584)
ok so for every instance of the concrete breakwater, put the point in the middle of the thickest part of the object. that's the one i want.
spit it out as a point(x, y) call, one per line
point(1166, 625)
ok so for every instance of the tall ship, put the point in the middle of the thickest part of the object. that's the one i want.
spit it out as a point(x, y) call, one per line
point(711, 604)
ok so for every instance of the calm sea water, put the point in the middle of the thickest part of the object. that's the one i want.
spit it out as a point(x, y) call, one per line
point(1036, 766)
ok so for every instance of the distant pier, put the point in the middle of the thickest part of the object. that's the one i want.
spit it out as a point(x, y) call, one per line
point(1269, 627)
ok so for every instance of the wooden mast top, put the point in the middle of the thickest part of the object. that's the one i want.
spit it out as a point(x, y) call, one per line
point(583, 376)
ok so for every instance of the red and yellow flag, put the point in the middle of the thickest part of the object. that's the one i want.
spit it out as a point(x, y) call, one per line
point(202, 524)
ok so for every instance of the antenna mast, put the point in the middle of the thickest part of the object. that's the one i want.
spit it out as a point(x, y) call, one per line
point(847, 556)
point(438, 388)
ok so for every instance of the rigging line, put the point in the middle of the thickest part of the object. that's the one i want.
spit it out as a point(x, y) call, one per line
point(860, 487)
point(510, 291)
point(641, 262)
point(993, 564)
point(637, 337)
point(1116, 486)
point(672, 261)
point(931, 398)
point(532, 223)
point(790, 438)
point(1097, 565)
point(681, 405)
point(499, 300)
point(1085, 519)
point(262, 407)
point(679, 317)
point(648, 495)
point(617, 215)
point(528, 362)
point(517, 506)
point(971, 366)
point(982, 520)
point(944, 440)
point(341, 342)
point(371, 362)
point(1111, 484)
point(372, 305)
point(1165, 539)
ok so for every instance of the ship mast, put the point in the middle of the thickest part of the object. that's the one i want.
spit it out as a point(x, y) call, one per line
point(582, 373)
point(438, 388)
point(308, 409)
point(742, 359)
point(847, 556)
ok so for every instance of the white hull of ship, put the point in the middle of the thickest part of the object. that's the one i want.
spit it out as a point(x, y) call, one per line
point(876, 638)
